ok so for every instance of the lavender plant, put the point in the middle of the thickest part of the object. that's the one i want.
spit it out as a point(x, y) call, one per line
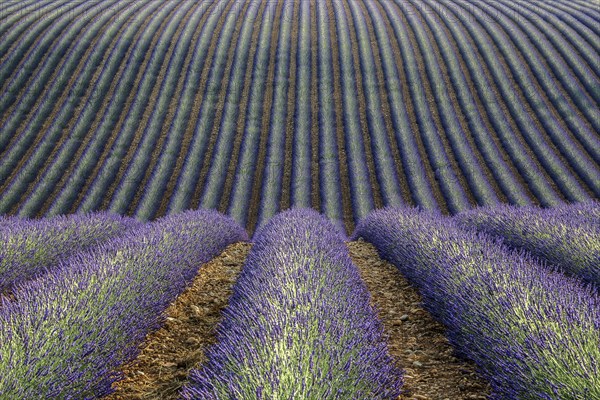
point(29, 247)
point(533, 332)
point(63, 335)
point(566, 236)
point(586, 213)
point(299, 324)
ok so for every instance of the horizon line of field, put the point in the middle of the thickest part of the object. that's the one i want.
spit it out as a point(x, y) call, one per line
point(530, 129)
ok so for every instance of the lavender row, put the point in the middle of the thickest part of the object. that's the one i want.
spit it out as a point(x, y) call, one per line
point(63, 335)
point(568, 240)
point(30, 247)
point(532, 331)
point(299, 324)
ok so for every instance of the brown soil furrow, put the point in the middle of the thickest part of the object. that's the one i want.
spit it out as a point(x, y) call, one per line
point(169, 353)
point(111, 93)
point(314, 112)
point(198, 100)
point(482, 111)
point(150, 105)
point(435, 112)
point(48, 123)
point(385, 108)
point(410, 109)
point(489, 177)
point(219, 108)
point(288, 161)
point(243, 108)
point(257, 180)
point(362, 111)
point(349, 222)
point(171, 110)
point(415, 339)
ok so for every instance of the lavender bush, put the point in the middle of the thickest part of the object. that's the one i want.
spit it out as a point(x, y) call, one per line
point(28, 246)
point(299, 324)
point(533, 332)
point(65, 333)
point(586, 212)
point(567, 236)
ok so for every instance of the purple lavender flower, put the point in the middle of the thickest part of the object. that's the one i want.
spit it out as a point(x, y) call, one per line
point(28, 247)
point(65, 334)
point(567, 236)
point(533, 332)
point(299, 324)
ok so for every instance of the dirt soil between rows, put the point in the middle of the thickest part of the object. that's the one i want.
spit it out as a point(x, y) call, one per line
point(168, 354)
point(432, 371)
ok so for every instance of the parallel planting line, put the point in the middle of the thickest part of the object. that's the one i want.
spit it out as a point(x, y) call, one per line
point(266, 182)
point(224, 129)
point(104, 180)
point(106, 107)
point(119, 194)
point(247, 162)
point(152, 140)
point(66, 148)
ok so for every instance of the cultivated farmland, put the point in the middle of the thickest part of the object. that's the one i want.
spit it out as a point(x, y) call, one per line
point(146, 108)
point(178, 179)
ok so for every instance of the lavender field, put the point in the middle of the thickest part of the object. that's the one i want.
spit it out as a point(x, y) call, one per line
point(142, 142)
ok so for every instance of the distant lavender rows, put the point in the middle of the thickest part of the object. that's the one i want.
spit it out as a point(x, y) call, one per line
point(149, 107)
point(567, 236)
point(30, 246)
point(65, 334)
point(533, 332)
point(299, 324)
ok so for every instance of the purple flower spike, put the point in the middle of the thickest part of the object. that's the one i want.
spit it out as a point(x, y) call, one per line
point(64, 334)
point(299, 324)
point(566, 236)
point(533, 332)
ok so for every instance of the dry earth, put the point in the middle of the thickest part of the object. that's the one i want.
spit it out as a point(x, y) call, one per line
point(170, 352)
point(432, 371)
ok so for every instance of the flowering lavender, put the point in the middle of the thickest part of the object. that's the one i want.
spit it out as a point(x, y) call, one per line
point(533, 332)
point(567, 236)
point(299, 324)
point(30, 246)
point(586, 212)
point(65, 333)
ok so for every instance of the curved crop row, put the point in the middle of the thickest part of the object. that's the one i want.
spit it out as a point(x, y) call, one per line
point(89, 108)
point(533, 332)
point(556, 236)
point(248, 161)
point(64, 335)
point(149, 108)
point(37, 178)
point(299, 324)
point(31, 247)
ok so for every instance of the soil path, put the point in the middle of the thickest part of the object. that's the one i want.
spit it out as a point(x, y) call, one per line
point(432, 371)
point(169, 353)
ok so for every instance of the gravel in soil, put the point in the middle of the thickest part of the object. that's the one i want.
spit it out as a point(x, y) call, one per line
point(170, 352)
point(432, 370)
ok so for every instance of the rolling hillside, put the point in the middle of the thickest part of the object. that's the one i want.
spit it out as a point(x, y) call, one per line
point(147, 108)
